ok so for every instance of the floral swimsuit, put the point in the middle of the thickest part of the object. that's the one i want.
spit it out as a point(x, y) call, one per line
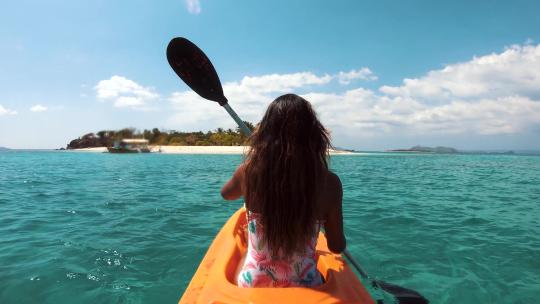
point(261, 270)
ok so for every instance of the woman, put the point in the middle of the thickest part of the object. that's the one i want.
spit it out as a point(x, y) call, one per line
point(289, 194)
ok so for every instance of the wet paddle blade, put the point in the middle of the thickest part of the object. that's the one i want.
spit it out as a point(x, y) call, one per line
point(195, 69)
point(402, 294)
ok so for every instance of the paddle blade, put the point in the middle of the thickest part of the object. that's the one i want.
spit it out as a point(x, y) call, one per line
point(402, 294)
point(195, 69)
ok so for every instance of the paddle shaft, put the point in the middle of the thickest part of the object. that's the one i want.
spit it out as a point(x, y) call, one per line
point(239, 121)
point(355, 263)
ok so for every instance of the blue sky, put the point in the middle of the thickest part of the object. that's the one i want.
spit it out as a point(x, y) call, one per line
point(381, 74)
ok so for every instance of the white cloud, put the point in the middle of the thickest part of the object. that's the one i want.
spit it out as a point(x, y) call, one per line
point(366, 113)
point(363, 74)
point(512, 72)
point(279, 82)
point(489, 95)
point(193, 6)
point(193, 113)
point(38, 108)
point(4, 111)
point(492, 94)
point(251, 95)
point(125, 93)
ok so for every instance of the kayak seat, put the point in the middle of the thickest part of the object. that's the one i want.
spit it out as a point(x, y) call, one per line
point(241, 237)
point(215, 279)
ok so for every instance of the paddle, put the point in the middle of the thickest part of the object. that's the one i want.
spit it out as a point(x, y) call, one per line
point(195, 69)
point(402, 294)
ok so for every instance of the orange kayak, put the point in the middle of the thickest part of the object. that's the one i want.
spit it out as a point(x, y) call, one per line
point(215, 279)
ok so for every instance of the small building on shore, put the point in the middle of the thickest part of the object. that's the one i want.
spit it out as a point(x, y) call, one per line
point(130, 145)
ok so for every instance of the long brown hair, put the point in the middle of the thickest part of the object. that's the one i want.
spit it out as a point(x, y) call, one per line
point(284, 169)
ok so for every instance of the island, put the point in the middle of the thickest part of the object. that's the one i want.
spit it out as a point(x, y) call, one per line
point(421, 149)
point(219, 141)
point(157, 137)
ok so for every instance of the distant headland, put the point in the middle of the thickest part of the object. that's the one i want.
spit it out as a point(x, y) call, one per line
point(421, 149)
point(449, 150)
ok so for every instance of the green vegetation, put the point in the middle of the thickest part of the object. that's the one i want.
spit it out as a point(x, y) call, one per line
point(218, 137)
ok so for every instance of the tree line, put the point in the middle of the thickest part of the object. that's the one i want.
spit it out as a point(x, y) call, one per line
point(218, 137)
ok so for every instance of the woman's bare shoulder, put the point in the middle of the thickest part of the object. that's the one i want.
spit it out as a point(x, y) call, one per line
point(332, 183)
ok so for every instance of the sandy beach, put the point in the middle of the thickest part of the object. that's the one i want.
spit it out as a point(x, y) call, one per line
point(95, 150)
point(201, 149)
point(197, 150)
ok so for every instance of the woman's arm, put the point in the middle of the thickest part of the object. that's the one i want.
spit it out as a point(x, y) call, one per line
point(233, 189)
point(333, 225)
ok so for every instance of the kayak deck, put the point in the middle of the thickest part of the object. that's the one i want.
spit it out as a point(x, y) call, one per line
point(215, 279)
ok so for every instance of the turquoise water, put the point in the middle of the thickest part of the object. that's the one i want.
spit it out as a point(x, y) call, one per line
point(102, 228)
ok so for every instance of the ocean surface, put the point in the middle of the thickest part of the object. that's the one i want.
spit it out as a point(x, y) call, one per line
point(105, 228)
